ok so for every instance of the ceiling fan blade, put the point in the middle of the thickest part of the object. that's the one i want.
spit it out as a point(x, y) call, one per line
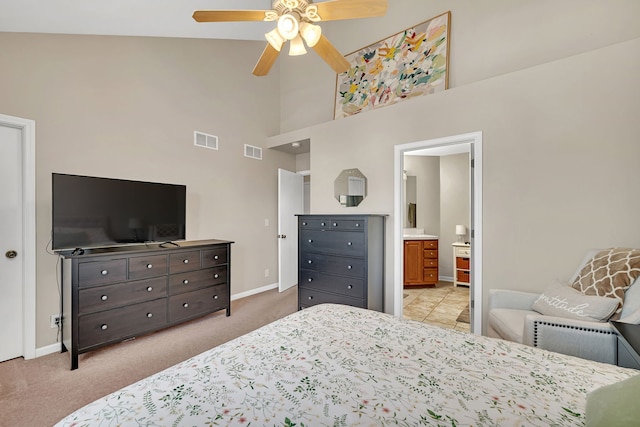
point(229, 15)
point(267, 59)
point(334, 10)
point(331, 56)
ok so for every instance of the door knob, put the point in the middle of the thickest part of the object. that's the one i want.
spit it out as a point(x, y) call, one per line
point(11, 254)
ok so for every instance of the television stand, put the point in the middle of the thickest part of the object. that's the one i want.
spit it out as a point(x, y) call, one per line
point(113, 294)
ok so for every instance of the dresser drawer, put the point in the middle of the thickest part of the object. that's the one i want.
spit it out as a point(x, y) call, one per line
point(430, 276)
point(121, 323)
point(430, 263)
point(347, 224)
point(213, 257)
point(192, 280)
point(430, 244)
point(184, 261)
point(102, 272)
point(106, 297)
point(309, 297)
point(147, 266)
point(197, 303)
point(314, 223)
point(464, 252)
point(430, 253)
point(352, 267)
point(346, 243)
point(353, 287)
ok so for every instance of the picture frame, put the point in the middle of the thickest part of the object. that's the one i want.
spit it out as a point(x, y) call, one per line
point(413, 62)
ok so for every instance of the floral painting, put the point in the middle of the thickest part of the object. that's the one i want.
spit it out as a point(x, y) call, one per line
point(408, 64)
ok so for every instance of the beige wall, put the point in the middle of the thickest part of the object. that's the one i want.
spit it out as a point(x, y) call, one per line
point(552, 86)
point(455, 205)
point(426, 169)
point(488, 38)
point(559, 161)
point(559, 129)
point(127, 107)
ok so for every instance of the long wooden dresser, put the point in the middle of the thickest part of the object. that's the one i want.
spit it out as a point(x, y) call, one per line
point(116, 293)
point(341, 260)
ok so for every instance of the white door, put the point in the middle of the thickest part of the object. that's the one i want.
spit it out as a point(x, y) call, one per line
point(290, 203)
point(11, 250)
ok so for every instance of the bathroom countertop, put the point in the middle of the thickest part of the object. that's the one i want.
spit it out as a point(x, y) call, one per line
point(420, 237)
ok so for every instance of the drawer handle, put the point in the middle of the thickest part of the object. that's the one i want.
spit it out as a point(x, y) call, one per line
point(185, 282)
point(104, 272)
point(304, 223)
point(104, 297)
point(310, 262)
point(357, 224)
point(185, 305)
point(349, 243)
point(149, 315)
point(149, 288)
point(185, 261)
point(310, 280)
point(349, 286)
point(310, 240)
point(215, 276)
point(310, 298)
point(335, 224)
point(104, 327)
point(149, 266)
point(215, 297)
point(349, 267)
point(216, 257)
point(322, 224)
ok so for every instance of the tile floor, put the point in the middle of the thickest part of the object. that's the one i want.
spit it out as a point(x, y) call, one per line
point(439, 306)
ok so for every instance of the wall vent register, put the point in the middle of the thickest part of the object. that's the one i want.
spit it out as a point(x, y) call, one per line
point(204, 140)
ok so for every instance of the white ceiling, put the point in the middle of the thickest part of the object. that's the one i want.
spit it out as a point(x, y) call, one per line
point(156, 18)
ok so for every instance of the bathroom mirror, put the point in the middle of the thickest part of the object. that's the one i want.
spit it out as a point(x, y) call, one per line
point(350, 187)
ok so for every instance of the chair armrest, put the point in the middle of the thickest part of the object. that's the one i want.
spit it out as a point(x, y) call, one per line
point(633, 317)
point(506, 298)
point(588, 340)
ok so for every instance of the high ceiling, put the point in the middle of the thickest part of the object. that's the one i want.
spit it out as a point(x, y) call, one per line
point(156, 18)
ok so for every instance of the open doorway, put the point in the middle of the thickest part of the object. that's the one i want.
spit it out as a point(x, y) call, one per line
point(436, 207)
point(471, 143)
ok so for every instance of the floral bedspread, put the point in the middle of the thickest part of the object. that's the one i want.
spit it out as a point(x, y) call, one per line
point(334, 365)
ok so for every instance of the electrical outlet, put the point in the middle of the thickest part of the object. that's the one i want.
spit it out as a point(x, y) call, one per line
point(55, 321)
point(266, 272)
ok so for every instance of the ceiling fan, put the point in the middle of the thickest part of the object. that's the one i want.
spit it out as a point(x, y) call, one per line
point(296, 21)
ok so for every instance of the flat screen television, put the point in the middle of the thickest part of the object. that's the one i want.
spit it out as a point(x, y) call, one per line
point(91, 212)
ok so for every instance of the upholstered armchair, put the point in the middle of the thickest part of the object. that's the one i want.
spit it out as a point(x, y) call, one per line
point(516, 316)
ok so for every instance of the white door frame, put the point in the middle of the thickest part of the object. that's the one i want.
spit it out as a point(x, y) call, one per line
point(475, 139)
point(28, 257)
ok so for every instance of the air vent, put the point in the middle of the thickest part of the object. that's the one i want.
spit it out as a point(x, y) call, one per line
point(253, 152)
point(203, 140)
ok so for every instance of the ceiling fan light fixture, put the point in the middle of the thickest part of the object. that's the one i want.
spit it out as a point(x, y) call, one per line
point(275, 39)
point(310, 33)
point(297, 47)
point(288, 26)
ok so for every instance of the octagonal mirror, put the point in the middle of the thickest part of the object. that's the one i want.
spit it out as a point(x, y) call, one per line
point(350, 187)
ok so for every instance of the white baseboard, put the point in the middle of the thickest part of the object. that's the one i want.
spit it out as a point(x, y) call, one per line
point(446, 278)
point(56, 347)
point(254, 291)
point(49, 349)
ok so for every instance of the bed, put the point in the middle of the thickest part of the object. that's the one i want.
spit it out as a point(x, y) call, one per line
point(338, 365)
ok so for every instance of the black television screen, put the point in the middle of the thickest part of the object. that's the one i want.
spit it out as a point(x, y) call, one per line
point(91, 211)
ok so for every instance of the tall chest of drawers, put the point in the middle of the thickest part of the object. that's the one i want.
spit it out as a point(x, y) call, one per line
point(116, 293)
point(341, 260)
